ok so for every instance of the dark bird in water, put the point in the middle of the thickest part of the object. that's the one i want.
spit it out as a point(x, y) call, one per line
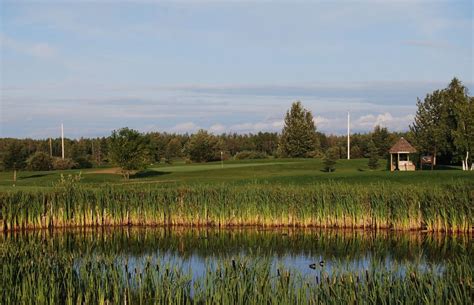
point(314, 265)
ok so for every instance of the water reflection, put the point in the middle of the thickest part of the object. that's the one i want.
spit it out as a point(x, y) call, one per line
point(194, 249)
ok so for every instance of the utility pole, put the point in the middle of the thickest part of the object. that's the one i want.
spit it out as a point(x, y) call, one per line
point(62, 140)
point(348, 136)
point(50, 148)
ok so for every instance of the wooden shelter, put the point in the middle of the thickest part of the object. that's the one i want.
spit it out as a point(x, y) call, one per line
point(402, 149)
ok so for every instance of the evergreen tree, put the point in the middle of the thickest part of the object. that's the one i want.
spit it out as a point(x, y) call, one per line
point(382, 140)
point(373, 156)
point(298, 137)
point(329, 159)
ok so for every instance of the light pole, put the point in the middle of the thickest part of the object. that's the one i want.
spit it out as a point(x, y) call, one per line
point(348, 136)
point(62, 140)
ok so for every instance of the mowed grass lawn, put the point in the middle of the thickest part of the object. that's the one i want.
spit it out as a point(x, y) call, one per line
point(269, 171)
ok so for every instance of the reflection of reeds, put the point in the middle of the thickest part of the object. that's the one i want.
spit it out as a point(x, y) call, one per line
point(206, 242)
point(39, 273)
point(330, 205)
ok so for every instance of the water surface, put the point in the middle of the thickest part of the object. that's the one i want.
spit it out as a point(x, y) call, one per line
point(311, 252)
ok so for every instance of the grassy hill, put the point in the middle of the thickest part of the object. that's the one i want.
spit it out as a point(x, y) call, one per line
point(269, 171)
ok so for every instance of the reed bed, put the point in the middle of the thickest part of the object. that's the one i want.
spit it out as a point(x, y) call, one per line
point(35, 273)
point(327, 205)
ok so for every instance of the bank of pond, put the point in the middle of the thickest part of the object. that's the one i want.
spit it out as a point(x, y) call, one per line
point(235, 266)
point(439, 208)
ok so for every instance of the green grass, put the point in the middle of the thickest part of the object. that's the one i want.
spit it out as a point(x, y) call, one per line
point(273, 192)
point(270, 171)
point(325, 205)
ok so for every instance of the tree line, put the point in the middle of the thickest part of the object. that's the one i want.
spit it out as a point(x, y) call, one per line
point(443, 127)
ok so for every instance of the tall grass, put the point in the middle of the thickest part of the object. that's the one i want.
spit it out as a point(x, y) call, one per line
point(35, 273)
point(326, 205)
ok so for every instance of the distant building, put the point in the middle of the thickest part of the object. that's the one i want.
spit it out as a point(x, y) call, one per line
point(402, 149)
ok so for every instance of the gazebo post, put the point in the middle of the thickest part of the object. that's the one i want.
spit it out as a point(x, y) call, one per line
point(391, 162)
point(398, 161)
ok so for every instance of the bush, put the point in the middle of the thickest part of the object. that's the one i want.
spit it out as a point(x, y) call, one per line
point(250, 154)
point(40, 161)
point(62, 164)
point(316, 154)
point(82, 162)
point(165, 160)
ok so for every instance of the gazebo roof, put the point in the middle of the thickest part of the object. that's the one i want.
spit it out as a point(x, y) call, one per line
point(402, 146)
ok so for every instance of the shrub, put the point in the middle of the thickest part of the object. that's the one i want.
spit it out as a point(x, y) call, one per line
point(82, 162)
point(62, 164)
point(39, 161)
point(250, 154)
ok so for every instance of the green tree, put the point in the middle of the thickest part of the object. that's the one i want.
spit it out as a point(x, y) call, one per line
point(463, 116)
point(14, 157)
point(298, 137)
point(382, 140)
point(428, 127)
point(40, 161)
point(373, 156)
point(173, 149)
point(129, 150)
point(443, 124)
point(329, 159)
point(203, 147)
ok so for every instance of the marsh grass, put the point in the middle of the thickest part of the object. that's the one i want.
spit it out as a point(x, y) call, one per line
point(39, 273)
point(325, 205)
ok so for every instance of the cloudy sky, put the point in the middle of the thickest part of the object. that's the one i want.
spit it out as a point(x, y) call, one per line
point(226, 66)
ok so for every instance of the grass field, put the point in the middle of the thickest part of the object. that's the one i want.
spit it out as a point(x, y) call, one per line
point(270, 171)
point(247, 193)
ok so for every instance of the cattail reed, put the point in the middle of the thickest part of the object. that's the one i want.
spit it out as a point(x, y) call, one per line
point(447, 208)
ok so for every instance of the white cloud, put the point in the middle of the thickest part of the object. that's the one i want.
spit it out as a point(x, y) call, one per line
point(217, 128)
point(386, 120)
point(185, 127)
point(319, 120)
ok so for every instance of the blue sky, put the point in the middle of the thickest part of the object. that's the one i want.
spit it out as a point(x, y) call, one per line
point(226, 66)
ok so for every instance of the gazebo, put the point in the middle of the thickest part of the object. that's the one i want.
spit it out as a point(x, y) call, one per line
point(402, 149)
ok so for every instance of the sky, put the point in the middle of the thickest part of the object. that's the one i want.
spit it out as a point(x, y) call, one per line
point(224, 66)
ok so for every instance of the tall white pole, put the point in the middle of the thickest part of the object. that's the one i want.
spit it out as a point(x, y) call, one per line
point(348, 136)
point(62, 140)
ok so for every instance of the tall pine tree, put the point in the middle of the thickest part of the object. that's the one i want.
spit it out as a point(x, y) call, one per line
point(298, 138)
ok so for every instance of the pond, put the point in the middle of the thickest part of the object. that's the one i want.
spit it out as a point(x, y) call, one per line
point(193, 254)
point(193, 248)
